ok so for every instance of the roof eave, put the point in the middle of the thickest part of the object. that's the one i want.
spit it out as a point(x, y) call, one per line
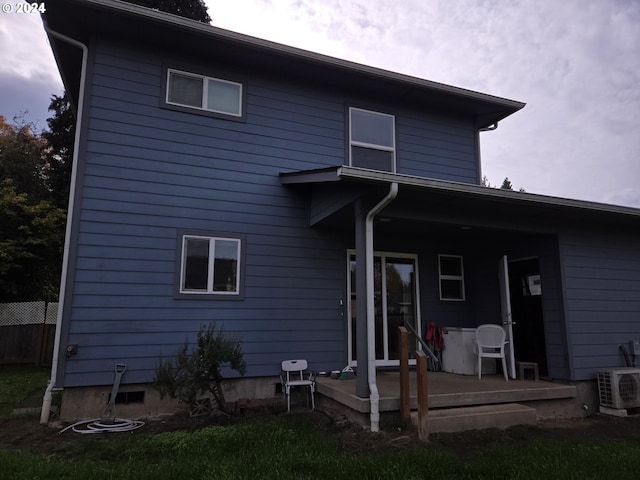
point(493, 108)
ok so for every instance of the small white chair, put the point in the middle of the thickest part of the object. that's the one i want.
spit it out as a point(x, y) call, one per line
point(489, 343)
point(293, 376)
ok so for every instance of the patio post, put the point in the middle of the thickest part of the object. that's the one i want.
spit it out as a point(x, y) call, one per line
point(423, 396)
point(362, 354)
point(403, 348)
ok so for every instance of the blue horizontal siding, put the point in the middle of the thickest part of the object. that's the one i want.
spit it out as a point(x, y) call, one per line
point(436, 147)
point(602, 296)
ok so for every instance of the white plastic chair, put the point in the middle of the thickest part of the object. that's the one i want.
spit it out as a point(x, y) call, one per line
point(293, 376)
point(489, 343)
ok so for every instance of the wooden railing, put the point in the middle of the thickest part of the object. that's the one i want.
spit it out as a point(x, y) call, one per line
point(421, 379)
point(421, 341)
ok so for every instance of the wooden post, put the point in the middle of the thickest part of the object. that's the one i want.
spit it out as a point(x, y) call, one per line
point(403, 348)
point(423, 396)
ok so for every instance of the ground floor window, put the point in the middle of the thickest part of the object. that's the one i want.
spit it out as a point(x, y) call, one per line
point(396, 302)
point(451, 274)
point(210, 265)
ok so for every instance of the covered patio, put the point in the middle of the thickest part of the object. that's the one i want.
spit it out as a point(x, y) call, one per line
point(418, 222)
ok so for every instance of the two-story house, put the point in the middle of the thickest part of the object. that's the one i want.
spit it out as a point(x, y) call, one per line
point(300, 202)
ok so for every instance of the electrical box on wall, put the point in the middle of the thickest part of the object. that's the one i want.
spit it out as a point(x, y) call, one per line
point(634, 347)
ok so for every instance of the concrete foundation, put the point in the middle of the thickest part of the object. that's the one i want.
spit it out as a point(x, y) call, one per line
point(448, 396)
point(82, 403)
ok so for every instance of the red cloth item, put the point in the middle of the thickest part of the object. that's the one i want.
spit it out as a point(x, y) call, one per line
point(434, 335)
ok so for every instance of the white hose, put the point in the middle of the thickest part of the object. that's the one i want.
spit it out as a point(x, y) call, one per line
point(100, 425)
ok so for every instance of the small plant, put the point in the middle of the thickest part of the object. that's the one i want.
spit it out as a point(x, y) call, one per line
point(196, 372)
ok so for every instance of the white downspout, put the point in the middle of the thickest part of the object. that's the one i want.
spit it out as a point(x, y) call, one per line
point(46, 401)
point(374, 396)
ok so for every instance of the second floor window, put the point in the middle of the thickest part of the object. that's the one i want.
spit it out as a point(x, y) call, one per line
point(372, 141)
point(204, 93)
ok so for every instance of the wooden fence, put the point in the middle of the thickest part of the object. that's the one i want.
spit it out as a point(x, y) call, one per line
point(27, 331)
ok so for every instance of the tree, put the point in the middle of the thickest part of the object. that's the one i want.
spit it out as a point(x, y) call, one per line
point(60, 140)
point(22, 158)
point(192, 374)
point(31, 240)
point(32, 232)
point(193, 9)
point(506, 184)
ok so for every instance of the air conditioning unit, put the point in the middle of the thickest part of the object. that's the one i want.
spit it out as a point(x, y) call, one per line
point(619, 388)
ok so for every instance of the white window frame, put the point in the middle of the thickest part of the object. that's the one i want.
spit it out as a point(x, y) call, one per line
point(205, 92)
point(372, 146)
point(459, 278)
point(210, 265)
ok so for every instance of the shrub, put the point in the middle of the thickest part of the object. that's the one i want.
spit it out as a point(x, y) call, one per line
point(196, 372)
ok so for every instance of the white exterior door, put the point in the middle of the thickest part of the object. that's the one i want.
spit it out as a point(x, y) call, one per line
point(507, 317)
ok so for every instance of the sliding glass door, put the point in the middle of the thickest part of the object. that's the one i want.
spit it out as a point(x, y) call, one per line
point(395, 299)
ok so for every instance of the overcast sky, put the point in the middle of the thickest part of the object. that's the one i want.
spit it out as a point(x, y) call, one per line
point(575, 63)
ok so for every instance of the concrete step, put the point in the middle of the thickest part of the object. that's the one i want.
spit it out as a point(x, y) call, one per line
point(478, 418)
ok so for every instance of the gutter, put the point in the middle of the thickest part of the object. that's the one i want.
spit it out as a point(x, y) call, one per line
point(374, 396)
point(48, 395)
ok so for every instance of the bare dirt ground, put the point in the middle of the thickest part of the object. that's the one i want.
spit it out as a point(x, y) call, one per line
point(26, 434)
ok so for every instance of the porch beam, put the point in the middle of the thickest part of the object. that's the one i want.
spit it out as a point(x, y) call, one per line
point(441, 213)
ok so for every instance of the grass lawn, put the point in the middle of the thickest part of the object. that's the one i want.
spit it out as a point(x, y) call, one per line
point(295, 447)
point(18, 381)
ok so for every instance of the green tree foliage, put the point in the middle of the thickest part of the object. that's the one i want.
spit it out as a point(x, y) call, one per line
point(60, 139)
point(195, 372)
point(30, 246)
point(193, 9)
point(506, 184)
point(32, 233)
point(22, 158)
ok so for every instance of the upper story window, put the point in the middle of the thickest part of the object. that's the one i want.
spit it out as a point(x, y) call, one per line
point(210, 265)
point(204, 93)
point(451, 273)
point(372, 140)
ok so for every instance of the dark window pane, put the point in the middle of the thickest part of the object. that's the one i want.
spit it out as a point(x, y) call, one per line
point(451, 266)
point(225, 269)
point(185, 90)
point(371, 158)
point(196, 264)
point(451, 289)
point(400, 301)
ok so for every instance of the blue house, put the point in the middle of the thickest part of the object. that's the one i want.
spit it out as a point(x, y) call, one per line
point(309, 206)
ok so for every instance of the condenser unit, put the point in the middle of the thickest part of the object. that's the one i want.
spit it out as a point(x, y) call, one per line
point(619, 388)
